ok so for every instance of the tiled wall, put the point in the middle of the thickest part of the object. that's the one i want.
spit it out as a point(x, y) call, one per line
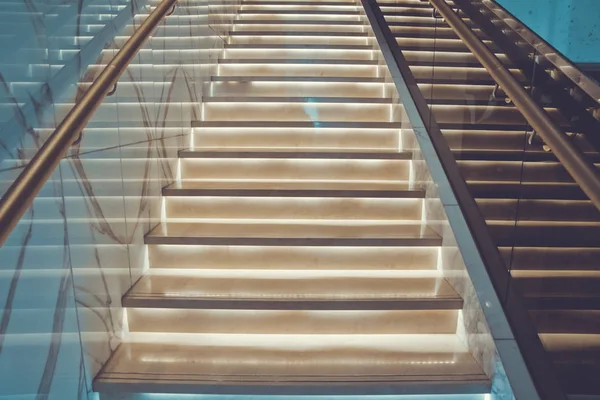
point(80, 246)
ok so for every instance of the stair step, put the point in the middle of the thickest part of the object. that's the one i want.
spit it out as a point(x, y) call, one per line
point(294, 124)
point(297, 88)
point(299, 11)
point(567, 321)
point(270, 208)
point(299, 140)
point(291, 364)
point(575, 359)
point(297, 33)
point(297, 322)
point(530, 190)
point(309, 61)
point(289, 99)
point(552, 258)
point(286, 46)
point(295, 169)
point(280, 111)
point(546, 233)
point(286, 188)
point(295, 154)
point(411, 258)
point(531, 210)
point(559, 290)
point(315, 79)
point(324, 22)
point(296, 289)
point(296, 233)
point(340, 3)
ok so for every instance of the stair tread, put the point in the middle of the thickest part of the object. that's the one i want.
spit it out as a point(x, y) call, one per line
point(296, 61)
point(294, 124)
point(174, 287)
point(293, 99)
point(297, 33)
point(268, 364)
point(295, 79)
point(293, 153)
point(321, 229)
point(295, 188)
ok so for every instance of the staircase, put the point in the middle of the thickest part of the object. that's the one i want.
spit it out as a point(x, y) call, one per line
point(553, 250)
point(293, 257)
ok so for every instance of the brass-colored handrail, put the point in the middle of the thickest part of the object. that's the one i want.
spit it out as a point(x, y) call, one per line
point(24, 189)
point(579, 167)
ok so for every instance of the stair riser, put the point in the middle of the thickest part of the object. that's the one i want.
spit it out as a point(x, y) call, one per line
point(294, 258)
point(314, 39)
point(292, 322)
point(340, 139)
point(295, 169)
point(304, 27)
point(274, 111)
point(290, 208)
point(369, 71)
point(302, 54)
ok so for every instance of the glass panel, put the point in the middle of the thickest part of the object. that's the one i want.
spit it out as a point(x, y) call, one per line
point(83, 239)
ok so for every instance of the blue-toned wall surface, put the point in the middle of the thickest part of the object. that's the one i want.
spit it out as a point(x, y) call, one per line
point(572, 26)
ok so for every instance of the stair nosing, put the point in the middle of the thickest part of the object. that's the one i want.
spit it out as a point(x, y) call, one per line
point(286, 99)
point(328, 193)
point(308, 61)
point(296, 79)
point(404, 155)
point(474, 383)
point(139, 301)
point(270, 241)
point(295, 124)
point(298, 33)
point(300, 11)
point(284, 46)
point(298, 22)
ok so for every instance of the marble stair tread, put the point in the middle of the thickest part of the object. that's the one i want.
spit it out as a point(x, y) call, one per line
point(299, 3)
point(328, 79)
point(287, 46)
point(233, 34)
point(294, 188)
point(295, 233)
point(294, 124)
point(407, 258)
point(295, 153)
point(292, 289)
point(272, 208)
point(290, 99)
point(298, 11)
point(307, 21)
point(297, 322)
point(308, 61)
point(280, 364)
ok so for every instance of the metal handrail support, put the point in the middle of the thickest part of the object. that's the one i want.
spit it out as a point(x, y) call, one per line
point(532, 376)
point(579, 167)
point(21, 193)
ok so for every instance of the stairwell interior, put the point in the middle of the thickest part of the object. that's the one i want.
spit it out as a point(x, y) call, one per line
point(250, 213)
